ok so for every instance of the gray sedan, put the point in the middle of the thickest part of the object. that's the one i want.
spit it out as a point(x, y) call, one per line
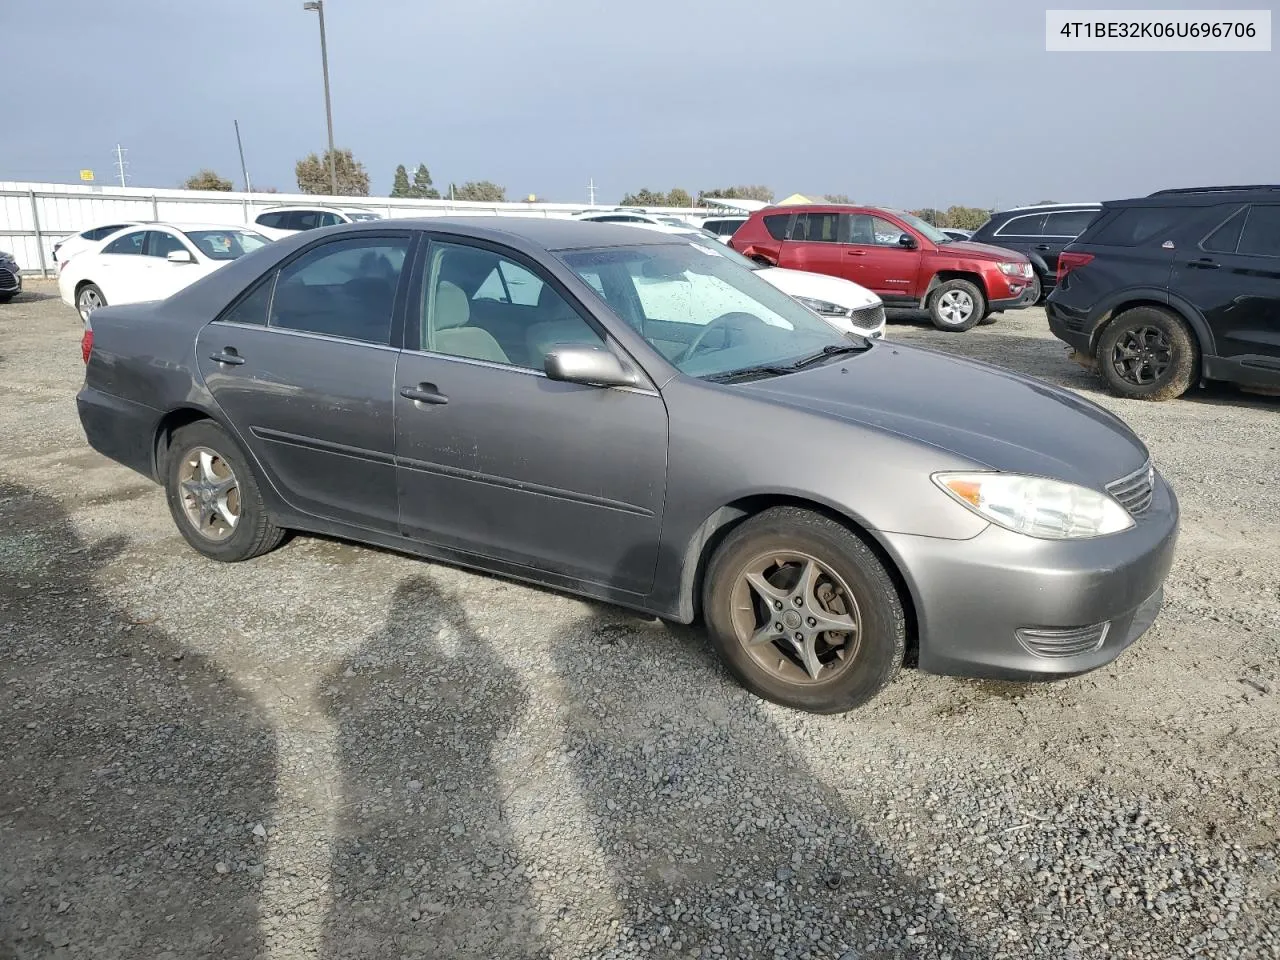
point(631, 416)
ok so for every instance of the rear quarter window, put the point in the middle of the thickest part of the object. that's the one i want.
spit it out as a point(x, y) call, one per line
point(776, 224)
point(1131, 226)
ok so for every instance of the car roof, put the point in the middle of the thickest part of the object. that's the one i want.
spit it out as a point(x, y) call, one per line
point(184, 226)
point(1032, 207)
point(1201, 196)
point(547, 233)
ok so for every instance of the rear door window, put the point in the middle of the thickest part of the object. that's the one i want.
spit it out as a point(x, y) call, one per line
point(130, 243)
point(1027, 225)
point(1135, 225)
point(1261, 235)
point(816, 228)
point(1068, 223)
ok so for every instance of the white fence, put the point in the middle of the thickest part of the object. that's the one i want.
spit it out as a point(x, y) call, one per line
point(34, 216)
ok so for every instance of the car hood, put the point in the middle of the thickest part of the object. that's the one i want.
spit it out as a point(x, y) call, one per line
point(819, 286)
point(982, 251)
point(976, 411)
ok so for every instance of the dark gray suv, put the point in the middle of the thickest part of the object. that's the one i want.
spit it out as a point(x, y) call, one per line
point(1040, 232)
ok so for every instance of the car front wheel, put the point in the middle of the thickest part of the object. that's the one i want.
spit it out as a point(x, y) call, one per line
point(803, 613)
point(956, 305)
point(1147, 354)
point(214, 497)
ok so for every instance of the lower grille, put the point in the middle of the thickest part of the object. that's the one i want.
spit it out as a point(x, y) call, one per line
point(8, 280)
point(1063, 642)
point(867, 318)
point(1134, 492)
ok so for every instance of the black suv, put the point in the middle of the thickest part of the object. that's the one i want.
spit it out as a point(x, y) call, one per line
point(1040, 232)
point(1182, 286)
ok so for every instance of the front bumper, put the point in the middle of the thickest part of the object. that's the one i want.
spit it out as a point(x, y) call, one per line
point(972, 596)
point(10, 279)
point(1027, 296)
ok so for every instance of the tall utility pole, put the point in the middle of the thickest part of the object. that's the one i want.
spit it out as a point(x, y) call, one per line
point(121, 163)
point(244, 171)
point(591, 191)
point(318, 7)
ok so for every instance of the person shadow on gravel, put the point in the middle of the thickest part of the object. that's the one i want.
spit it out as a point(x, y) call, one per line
point(423, 864)
point(134, 770)
point(722, 842)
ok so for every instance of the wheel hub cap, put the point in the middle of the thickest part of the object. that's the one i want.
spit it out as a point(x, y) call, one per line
point(210, 494)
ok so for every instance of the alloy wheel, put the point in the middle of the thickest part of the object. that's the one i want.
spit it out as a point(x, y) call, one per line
point(955, 306)
point(210, 494)
point(796, 617)
point(1142, 355)
point(88, 301)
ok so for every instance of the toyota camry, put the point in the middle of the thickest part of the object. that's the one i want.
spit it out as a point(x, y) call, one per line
point(633, 417)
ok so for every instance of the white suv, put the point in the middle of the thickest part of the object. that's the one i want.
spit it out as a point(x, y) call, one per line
point(278, 222)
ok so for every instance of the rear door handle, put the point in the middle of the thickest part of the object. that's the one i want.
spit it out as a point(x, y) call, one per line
point(855, 253)
point(228, 356)
point(1042, 246)
point(423, 393)
point(1204, 263)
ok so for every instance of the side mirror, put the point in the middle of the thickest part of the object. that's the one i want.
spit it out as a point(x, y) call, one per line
point(907, 240)
point(180, 256)
point(589, 365)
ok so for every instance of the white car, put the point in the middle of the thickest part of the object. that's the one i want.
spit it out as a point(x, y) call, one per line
point(151, 261)
point(723, 226)
point(68, 247)
point(845, 304)
point(279, 222)
point(626, 215)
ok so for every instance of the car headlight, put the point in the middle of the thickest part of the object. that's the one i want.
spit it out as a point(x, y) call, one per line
point(1015, 269)
point(824, 307)
point(1036, 506)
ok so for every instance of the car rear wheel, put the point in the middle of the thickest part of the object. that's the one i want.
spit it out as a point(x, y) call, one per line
point(803, 613)
point(956, 305)
point(1147, 354)
point(88, 299)
point(214, 497)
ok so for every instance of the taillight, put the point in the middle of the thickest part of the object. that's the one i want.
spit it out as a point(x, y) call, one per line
point(86, 345)
point(1069, 261)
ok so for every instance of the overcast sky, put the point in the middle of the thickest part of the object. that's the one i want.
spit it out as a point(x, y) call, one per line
point(928, 102)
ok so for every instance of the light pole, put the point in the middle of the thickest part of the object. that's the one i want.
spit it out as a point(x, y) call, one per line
point(318, 7)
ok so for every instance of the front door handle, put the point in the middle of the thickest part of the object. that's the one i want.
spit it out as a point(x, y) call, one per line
point(1204, 263)
point(423, 393)
point(855, 253)
point(228, 356)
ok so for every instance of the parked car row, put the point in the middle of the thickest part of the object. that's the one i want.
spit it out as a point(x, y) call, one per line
point(637, 415)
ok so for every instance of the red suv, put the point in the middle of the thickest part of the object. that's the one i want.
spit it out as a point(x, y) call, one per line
point(903, 259)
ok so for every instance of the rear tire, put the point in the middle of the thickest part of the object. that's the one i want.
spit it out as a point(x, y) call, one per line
point(849, 585)
point(956, 306)
point(88, 299)
point(214, 496)
point(1148, 354)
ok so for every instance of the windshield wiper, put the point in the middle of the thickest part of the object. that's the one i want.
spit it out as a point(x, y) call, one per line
point(830, 350)
point(764, 370)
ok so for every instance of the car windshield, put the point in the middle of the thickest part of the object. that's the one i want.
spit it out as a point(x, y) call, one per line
point(225, 244)
point(705, 312)
point(363, 215)
point(922, 226)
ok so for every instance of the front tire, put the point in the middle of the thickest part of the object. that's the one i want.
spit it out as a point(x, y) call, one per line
point(214, 496)
point(803, 613)
point(1147, 354)
point(956, 306)
point(88, 299)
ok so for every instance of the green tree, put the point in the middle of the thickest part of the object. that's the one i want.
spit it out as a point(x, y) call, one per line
point(313, 175)
point(930, 215)
point(207, 180)
point(679, 197)
point(746, 192)
point(644, 197)
point(836, 197)
point(484, 191)
point(966, 218)
point(422, 184)
point(400, 185)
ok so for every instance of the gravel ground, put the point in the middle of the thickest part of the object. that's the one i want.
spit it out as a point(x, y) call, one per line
point(340, 752)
